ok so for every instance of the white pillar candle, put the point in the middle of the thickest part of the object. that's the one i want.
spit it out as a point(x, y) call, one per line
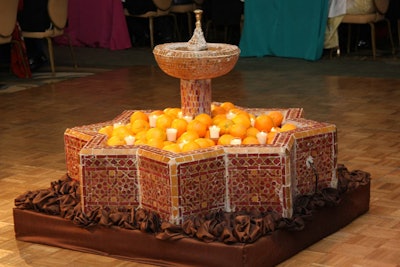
point(230, 115)
point(117, 124)
point(152, 120)
point(171, 134)
point(214, 132)
point(129, 140)
point(236, 141)
point(188, 118)
point(262, 138)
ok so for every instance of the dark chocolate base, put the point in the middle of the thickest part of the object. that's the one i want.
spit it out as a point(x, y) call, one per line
point(137, 246)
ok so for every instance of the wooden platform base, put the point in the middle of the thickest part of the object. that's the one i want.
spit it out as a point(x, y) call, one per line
point(136, 246)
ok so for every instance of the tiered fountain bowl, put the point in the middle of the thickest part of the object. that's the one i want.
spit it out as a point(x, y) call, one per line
point(196, 63)
point(229, 178)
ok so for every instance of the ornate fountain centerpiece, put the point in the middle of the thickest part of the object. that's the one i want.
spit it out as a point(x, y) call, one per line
point(176, 186)
point(196, 63)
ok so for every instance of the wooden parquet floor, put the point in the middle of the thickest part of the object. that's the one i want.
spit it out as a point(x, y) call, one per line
point(365, 110)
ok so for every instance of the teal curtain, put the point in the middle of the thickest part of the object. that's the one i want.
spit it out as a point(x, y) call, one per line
point(284, 28)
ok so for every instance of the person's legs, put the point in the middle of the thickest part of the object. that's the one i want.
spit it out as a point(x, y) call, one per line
point(35, 49)
point(34, 18)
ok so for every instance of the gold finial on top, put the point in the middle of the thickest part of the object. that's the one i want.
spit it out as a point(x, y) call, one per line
point(198, 13)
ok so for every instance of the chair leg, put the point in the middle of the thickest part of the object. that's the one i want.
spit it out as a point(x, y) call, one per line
point(390, 35)
point(51, 55)
point(211, 27)
point(151, 29)
point(177, 33)
point(190, 25)
point(373, 41)
point(71, 50)
point(208, 25)
point(348, 37)
point(398, 30)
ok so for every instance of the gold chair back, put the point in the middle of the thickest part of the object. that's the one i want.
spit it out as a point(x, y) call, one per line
point(8, 19)
point(382, 6)
point(163, 5)
point(58, 12)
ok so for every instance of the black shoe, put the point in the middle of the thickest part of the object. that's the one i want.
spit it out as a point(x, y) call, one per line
point(363, 44)
point(37, 63)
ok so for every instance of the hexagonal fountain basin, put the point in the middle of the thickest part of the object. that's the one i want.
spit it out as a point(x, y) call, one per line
point(180, 185)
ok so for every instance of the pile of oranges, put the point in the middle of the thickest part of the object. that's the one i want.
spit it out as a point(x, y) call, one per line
point(194, 133)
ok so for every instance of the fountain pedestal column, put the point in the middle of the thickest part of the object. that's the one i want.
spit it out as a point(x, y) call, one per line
point(195, 97)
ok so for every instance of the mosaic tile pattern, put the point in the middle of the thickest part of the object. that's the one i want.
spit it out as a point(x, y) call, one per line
point(195, 97)
point(255, 180)
point(232, 178)
point(108, 176)
point(177, 186)
point(74, 141)
point(179, 62)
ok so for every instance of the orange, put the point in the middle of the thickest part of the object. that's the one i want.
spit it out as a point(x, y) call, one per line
point(157, 112)
point(172, 148)
point(164, 121)
point(121, 131)
point(115, 141)
point(238, 130)
point(288, 127)
point(225, 139)
point(250, 140)
point(198, 127)
point(140, 142)
point(139, 125)
point(237, 111)
point(141, 135)
point(107, 130)
point(210, 142)
point(218, 118)
point(187, 136)
point(242, 119)
point(217, 110)
point(173, 112)
point(138, 115)
point(205, 119)
point(179, 124)
point(204, 142)
point(224, 126)
point(227, 106)
point(168, 143)
point(277, 117)
point(190, 146)
point(252, 131)
point(156, 133)
point(264, 123)
point(155, 142)
point(270, 137)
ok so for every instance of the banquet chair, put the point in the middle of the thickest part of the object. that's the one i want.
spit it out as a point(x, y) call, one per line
point(398, 30)
point(188, 8)
point(163, 9)
point(381, 7)
point(58, 13)
point(8, 20)
point(227, 14)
